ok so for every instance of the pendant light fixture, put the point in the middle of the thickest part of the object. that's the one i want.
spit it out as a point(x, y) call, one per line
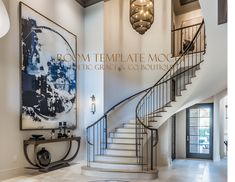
point(141, 15)
point(4, 20)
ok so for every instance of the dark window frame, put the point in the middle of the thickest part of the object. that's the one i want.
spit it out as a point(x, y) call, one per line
point(197, 155)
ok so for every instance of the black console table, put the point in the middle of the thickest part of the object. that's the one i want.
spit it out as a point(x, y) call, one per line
point(64, 162)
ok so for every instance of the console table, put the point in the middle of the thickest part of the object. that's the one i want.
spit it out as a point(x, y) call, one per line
point(64, 162)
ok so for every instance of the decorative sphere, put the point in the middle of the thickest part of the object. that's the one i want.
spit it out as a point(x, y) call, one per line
point(44, 157)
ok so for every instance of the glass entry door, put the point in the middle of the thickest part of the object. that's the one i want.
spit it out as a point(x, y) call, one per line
point(199, 131)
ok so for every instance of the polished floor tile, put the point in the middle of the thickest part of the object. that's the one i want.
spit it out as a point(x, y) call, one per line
point(180, 171)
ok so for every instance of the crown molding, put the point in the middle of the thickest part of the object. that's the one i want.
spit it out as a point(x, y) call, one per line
point(86, 3)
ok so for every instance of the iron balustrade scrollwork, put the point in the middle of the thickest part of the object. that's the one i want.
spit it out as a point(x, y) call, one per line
point(163, 93)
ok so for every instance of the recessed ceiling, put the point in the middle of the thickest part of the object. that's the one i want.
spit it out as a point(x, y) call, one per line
point(185, 6)
point(86, 3)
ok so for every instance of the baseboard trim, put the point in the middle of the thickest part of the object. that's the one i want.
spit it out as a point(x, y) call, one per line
point(164, 161)
point(11, 173)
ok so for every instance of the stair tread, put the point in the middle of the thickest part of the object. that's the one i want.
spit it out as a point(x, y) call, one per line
point(122, 132)
point(123, 143)
point(118, 163)
point(125, 128)
point(121, 149)
point(117, 156)
point(118, 170)
point(159, 111)
point(118, 132)
point(124, 138)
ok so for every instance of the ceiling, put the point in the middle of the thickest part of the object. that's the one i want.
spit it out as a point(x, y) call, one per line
point(86, 3)
point(185, 6)
point(180, 6)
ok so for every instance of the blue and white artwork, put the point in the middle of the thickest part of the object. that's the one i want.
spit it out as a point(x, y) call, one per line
point(48, 82)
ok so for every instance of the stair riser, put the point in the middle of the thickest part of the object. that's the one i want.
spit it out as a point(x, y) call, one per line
point(132, 121)
point(129, 125)
point(120, 152)
point(115, 166)
point(120, 146)
point(122, 135)
point(120, 175)
point(119, 140)
point(126, 160)
point(126, 130)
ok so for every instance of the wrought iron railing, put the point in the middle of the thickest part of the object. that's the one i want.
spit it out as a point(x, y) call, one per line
point(160, 96)
point(97, 133)
point(182, 37)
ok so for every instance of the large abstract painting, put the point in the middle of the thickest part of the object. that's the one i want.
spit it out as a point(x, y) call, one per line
point(48, 81)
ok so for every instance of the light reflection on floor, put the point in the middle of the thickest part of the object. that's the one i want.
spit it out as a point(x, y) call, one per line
point(180, 171)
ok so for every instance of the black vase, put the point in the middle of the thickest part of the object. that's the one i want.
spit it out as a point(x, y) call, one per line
point(44, 157)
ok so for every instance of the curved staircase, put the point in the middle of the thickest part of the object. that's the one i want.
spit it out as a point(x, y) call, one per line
point(119, 160)
point(130, 151)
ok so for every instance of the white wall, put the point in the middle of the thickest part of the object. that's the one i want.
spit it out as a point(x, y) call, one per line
point(12, 159)
point(223, 126)
point(164, 144)
point(120, 37)
point(157, 40)
point(218, 135)
point(93, 79)
point(181, 135)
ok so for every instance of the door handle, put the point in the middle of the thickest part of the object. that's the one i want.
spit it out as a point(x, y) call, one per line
point(187, 139)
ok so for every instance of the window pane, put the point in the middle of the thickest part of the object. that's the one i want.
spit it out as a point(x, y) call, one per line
point(194, 139)
point(194, 121)
point(205, 112)
point(194, 148)
point(204, 131)
point(194, 131)
point(204, 149)
point(204, 122)
point(194, 113)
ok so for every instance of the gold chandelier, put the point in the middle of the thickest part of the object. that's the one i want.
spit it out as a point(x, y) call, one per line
point(141, 15)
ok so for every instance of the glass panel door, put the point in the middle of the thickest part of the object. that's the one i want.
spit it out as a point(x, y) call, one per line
point(200, 131)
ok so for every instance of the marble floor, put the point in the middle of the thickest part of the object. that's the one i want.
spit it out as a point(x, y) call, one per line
point(180, 171)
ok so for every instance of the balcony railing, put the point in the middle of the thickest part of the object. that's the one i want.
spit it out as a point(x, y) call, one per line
point(182, 37)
